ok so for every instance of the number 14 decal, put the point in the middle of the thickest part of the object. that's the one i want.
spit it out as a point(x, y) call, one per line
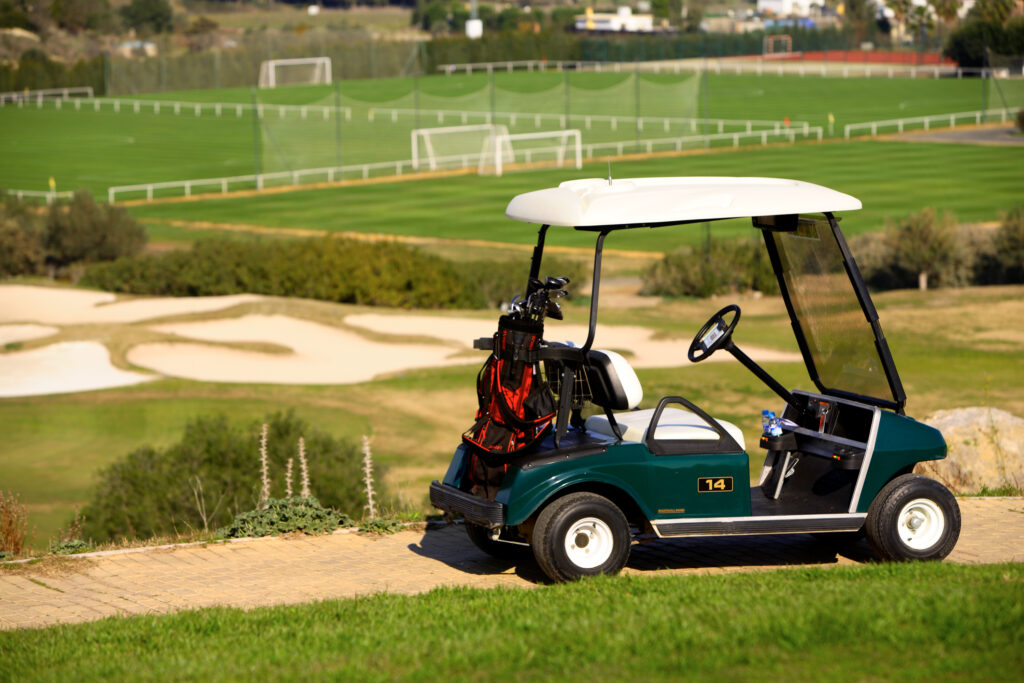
point(714, 484)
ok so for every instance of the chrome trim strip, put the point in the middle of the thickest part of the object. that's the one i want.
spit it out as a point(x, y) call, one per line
point(868, 452)
point(763, 518)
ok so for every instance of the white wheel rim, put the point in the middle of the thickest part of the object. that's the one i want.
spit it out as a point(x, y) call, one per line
point(589, 543)
point(920, 524)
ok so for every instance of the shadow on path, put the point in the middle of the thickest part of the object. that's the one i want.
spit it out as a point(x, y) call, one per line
point(451, 546)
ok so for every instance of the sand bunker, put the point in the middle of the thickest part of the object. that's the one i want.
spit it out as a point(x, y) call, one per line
point(17, 333)
point(647, 352)
point(321, 354)
point(24, 303)
point(62, 369)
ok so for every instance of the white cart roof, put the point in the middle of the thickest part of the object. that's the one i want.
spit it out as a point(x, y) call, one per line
point(595, 202)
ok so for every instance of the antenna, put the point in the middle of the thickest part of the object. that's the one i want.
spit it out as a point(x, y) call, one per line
point(609, 171)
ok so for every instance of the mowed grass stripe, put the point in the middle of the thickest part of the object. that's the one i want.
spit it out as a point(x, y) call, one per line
point(892, 179)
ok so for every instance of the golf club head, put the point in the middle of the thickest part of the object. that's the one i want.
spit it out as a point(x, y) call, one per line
point(553, 310)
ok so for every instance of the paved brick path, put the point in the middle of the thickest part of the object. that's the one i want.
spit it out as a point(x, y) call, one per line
point(289, 570)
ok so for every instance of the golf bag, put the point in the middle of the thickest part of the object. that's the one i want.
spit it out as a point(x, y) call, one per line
point(515, 405)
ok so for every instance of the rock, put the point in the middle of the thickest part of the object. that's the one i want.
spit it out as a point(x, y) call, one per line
point(986, 450)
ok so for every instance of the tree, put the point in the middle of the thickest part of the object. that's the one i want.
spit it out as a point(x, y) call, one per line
point(146, 16)
point(900, 9)
point(78, 15)
point(946, 10)
point(923, 244)
point(997, 11)
point(85, 231)
point(1009, 245)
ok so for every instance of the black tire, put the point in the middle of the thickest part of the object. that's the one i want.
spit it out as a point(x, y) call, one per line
point(581, 534)
point(481, 538)
point(905, 501)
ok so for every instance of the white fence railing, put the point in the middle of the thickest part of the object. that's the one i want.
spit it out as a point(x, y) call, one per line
point(765, 65)
point(926, 122)
point(49, 196)
point(693, 141)
point(442, 116)
point(187, 188)
point(46, 94)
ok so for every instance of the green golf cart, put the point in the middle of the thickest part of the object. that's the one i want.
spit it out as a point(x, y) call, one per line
point(838, 460)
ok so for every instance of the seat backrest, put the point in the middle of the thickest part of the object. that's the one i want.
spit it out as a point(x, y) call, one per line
point(613, 382)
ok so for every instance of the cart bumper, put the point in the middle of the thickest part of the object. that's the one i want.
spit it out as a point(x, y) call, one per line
point(471, 508)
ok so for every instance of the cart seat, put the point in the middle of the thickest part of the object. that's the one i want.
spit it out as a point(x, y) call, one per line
point(613, 382)
point(675, 425)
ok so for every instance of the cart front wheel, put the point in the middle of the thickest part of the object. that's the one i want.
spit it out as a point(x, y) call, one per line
point(913, 518)
point(581, 534)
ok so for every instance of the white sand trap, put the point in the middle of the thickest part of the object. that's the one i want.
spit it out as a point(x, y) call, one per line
point(321, 354)
point(24, 303)
point(15, 333)
point(647, 351)
point(62, 369)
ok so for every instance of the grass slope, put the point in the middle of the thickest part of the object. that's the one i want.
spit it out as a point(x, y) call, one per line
point(908, 622)
point(891, 178)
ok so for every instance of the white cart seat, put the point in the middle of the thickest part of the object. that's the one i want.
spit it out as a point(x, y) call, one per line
point(675, 425)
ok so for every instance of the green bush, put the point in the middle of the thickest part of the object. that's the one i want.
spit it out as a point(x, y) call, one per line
point(497, 282)
point(1009, 246)
point(329, 269)
point(84, 231)
point(21, 239)
point(717, 267)
point(213, 474)
point(71, 547)
point(287, 515)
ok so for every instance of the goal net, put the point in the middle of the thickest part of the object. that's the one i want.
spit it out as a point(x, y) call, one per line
point(297, 71)
point(548, 147)
point(456, 146)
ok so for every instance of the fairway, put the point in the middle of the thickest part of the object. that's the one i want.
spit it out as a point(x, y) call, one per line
point(892, 179)
point(366, 122)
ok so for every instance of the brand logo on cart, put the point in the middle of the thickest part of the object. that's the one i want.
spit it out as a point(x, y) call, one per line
point(714, 484)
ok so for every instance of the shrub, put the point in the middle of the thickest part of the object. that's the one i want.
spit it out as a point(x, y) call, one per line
point(496, 282)
point(717, 267)
point(923, 244)
point(71, 547)
point(1020, 120)
point(212, 475)
point(13, 524)
point(329, 269)
point(83, 230)
point(21, 239)
point(287, 515)
point(1009, 245)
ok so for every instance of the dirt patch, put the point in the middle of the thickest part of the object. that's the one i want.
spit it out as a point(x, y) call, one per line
point(990, 134)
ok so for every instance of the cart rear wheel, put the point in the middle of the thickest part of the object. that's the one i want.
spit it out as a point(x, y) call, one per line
point(581, 534)
point(913, 518)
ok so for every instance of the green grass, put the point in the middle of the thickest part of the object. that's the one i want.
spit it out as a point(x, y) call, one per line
point(876, 622)
point(98, 149)
point(892, 179)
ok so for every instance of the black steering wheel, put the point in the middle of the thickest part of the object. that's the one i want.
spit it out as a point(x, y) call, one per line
point(715, 333)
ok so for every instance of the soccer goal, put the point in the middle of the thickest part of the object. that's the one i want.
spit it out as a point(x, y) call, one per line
point(297, 71)
point(555, 146)
point(455, 146)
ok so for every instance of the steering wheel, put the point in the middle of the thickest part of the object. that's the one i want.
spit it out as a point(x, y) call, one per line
point(715, 333)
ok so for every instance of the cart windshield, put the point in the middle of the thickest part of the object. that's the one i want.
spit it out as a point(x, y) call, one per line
point(831, 320)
